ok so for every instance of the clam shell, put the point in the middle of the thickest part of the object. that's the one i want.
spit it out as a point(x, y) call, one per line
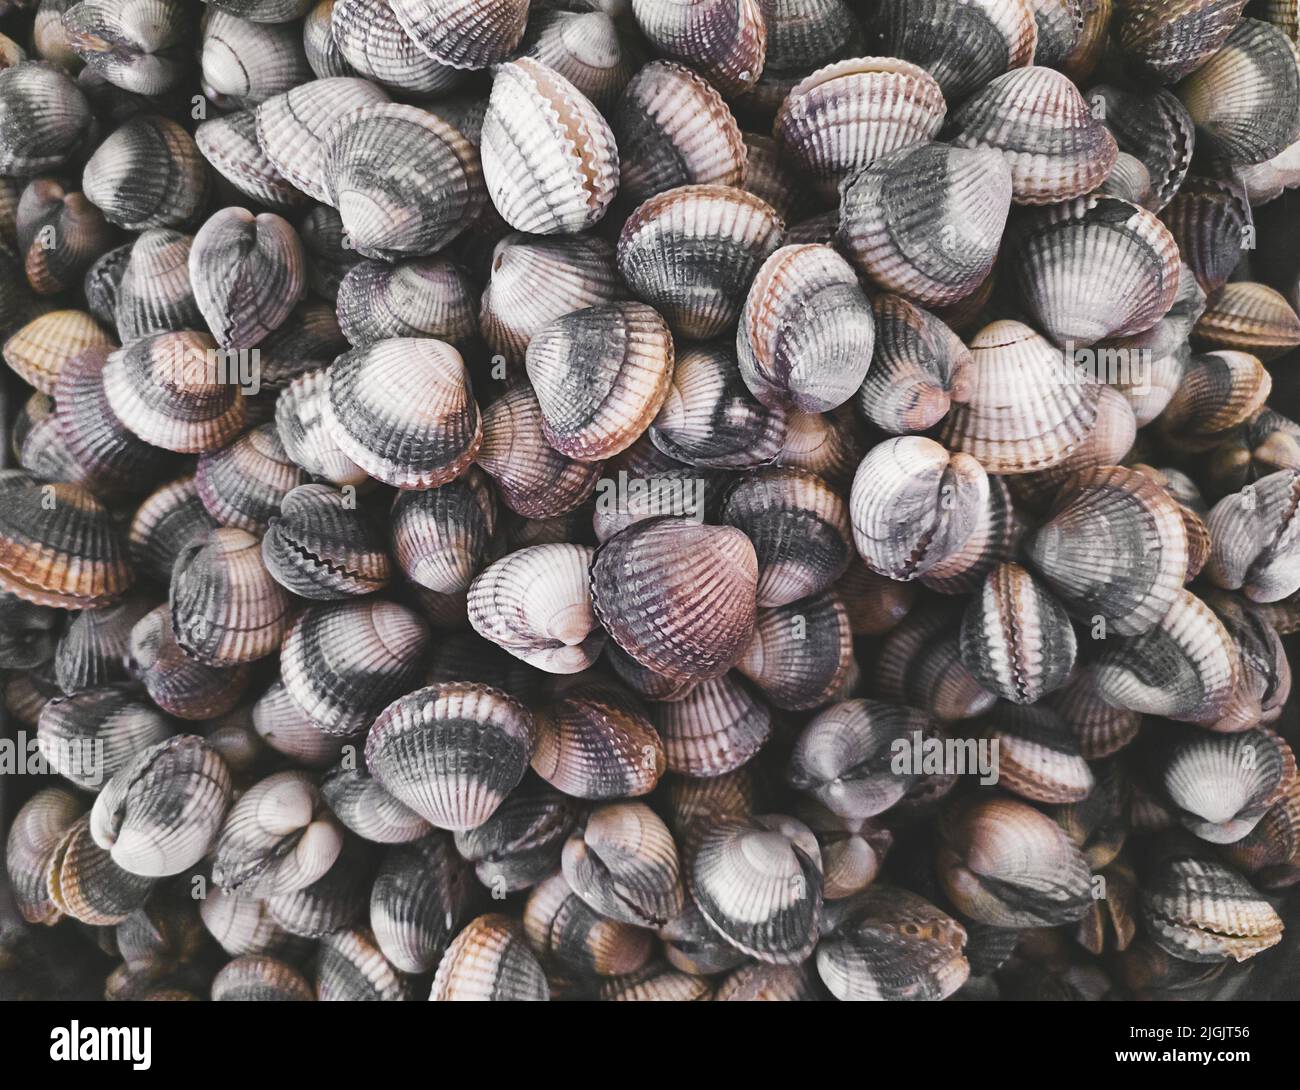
point(1211, 221)
point(655, 982)
point(177, 683)
point(1167, 41)
point(47, 119)
point(875, 603)
point(336, 900)
point(520, 844)
point(587, 49)
point(800, 654)
point(154, 294)
point(245, 63)
point(1201, 911)
point(137, 47)
point(1254, 534)
point(89, 737)
point(244, 484)
point(464, 33)
point(423, 297)
point(1252, 318)
point(373, 43)
point(420, 898)
point(1218, 391)
point(567, 934)
point(38, 828)
point(320, 547)
point(490, 960)
point(300, 422)
point(1038, 757)
point(148, 173)
point(441, 536)
point(713, 729)
point(38, 351)
point(85, 883)
point(920, 665)
point(726, 40)
point(91, 652)
point(168, 520)
point(352, 968)
point(367, 809)
point(60, 233)
point(757, 982)
point(1154, 126)
point(229, 144)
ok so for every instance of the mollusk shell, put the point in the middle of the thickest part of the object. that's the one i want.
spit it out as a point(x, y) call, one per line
point(300, 423)
point(800, 654)
point(374, 44)
point(421, 896)
point(1201, 911)
point(1254, 534)
point(464, 33)
point(47, 118)
point(243, 484)
point(490, 960)
point(725, 39)
point(148, 173)
point(229, 144)
point(715, 728)
point(85, 883)
point(38, 351)
point(177, 683)
point(423, 297)
point(321, 547)
point(37, 829)
point(1170, 40)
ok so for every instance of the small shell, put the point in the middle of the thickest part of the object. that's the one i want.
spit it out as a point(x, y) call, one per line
point(38, 351)
point(691, 252)
point(47, 119)
point(230, 146)
point(363, 805)
point(596, 741)
point(677, 596)
point(567, 934)
point(301, 425)
point(852, 112)
point(800, 654)
point(148, 173)
point(1128, 180)
point(1201, 911)
point(926, 221)
point(624, 865)
point(451, 752)
point(1218, 391)
point(920, 665)
point(600, 375)
point(60, 234)
point(320, 547)
point(549, 157)
point(806, 332)
point(490, 960)
point(342, 662)
point(424, 297)
point(713, 729)
point(586, 48)
point(90, 737)
point(536, 604)
point(38, 828)
point(245, 63)
point(352, 968)
point(520, 844)
point(914, 505)
point(160, 814)
point(1245, 100)
point(420, 898)
point(1249, 317)
point(91, 652)
point(726, 40)
point(337, 899)
point(58, 545)
point(1167, 41)
point(710, 418)
point(1211, 221)
point(248, 273)
point(655, 982)
point(464, 33)
point(403, 410)
point(405, 181)
point(244, 484)
point(1038, 757)
point(373, 44)
point(1154, 126)
point(137, 47)
point(177, 683)
point(758, 882)
point(1254, 533)
point(85, 883)
point(155, 294)
point(167, 521)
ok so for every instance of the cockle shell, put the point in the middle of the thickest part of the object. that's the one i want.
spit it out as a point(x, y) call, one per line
point(464, 33)
point(800, 654)
point(46, 118)
point(374, 44)
point(38, 828)
point(179, 684)
point(1256, 547)
point(490, 960)
point(724, 39)
point(38, 351)
point(715, 728)
point(422, 895)
point(1202, 911)
point(321, 547)
point(148, 173)
point(244, 484)
point(422, 297)
point(229, 144)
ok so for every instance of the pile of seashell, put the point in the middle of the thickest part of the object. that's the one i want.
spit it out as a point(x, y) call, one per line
point(650, 499)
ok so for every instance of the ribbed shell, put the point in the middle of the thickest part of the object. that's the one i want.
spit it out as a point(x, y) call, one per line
point(1038, 755)
point(464, 33)
point(230, 146)
point(423, 297)
point(520, 844)
point(1255, 537)
point(586, 48)
point(421, 896)
point(1201, 911)
point(45, 119)
point(321, 547)
point(177, 683)
point(490, 960)
point(301, 425)
point(1223, 784)
point(1249, 317)
point(91, 652)
point(147, 173)
point(155, 294)
point(568, 935)
point(715, 728)
point(801, 654)
point(85, 883)
point(373, 43)
point(38, 351)
point(725, 39)
point(37, 829)
point(365, 807)
point(60, 233)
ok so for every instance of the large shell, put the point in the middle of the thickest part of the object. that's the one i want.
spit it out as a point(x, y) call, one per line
point(806, 333)
point(490, 960)
point(692, 251)
point(451, 752)
point(148, 173)
point(464, 33)
point(549, 158)
point(155, 294)
point(724, 39)
point(677, 596)
point(373, 43)
point(600, 375)
point(403, 410)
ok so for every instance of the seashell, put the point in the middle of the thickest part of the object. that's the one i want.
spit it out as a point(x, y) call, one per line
point(291, 127)
point(1152, 125)
point(1266, 181)
point(920, 665)
point(155, 294)
point(101, 281)
point(402, 409)
point(1038, 756)
point(47, 119)
point(726, 40)
point(85, 883)
point(277, 838)
point(1249, 317)
point(623, 864)
point(710, 418)
point(1255, 548)
point(800, 654)
point(570, 935)
point(889, 226)
point(244, 62)
point(320, 547)
point(359, 802)
point(1059, 25)
point(253, 978)
point(1005, 864)
point(691, 253)
point(549, 158)
point(60, 234)
point(919, 368)
point(172, 390)
point(769, 179)
point(372, 43)
point(329, 255)
point(225, 607)
point(586, 48)
point(159, 814)
point(1167, 43)
point(490, 960)
point(322, 51)
point(534, 479)
point(168, 520)
point(1029, 406)
point(338, 899)
point(140, 48)
point(283, 726)
point(789, 361)
point(451, 752)
point(844, 757)
point(535, 280)
point(623, 500)
point(38, 351)
point(1264, 683)
point(177, 683)
point(822, 444)
point(229, 144)
point(464, 33)
point(853, 849)
point(713, 729)
point(244, 484)
point(620, 355)
point(248, 273)
point(674, 129)
point(301, 426)
point(1245, 100)
point(405, 181)
point(147, 173)
point(343, 662)
point(914, 505)
point(962, 45)
point(58, 545)
point(759, 982)
point(677, 596)
point(889, 944)
point(691, 945)
point(37, 830)
point(655, 982)
point(1045, 131)
point(1016, 639)
point(421, 897)
point(1267, 852)
point(757, 880)
point(1219, 391)
point(423, 297)
point(1114, 547)
point(88, 737)
point(352, 968)
point(29, 633)
point(535, 603)
point(1200, 911)
point(441, 536)
point(875, 603)
point(852, 112)
point(520, 843)
point(1211, 222)
point(596, 741)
